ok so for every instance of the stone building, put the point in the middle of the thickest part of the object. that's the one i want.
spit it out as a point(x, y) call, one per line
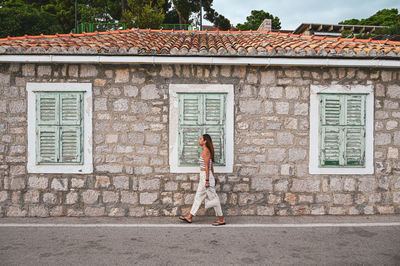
point(106, 124)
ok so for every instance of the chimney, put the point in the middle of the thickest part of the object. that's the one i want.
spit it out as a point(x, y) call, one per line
point(266, 25)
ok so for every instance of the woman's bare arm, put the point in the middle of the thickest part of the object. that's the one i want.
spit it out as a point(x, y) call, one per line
point(206, 157)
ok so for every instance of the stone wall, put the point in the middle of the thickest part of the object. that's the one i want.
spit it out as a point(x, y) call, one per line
point(130, 131)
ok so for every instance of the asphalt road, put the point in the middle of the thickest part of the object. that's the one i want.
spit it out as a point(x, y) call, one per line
point(165, 241)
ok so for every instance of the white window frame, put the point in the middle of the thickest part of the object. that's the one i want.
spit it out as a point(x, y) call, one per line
point(315, 90)
point(174, 89)
point(87, 166)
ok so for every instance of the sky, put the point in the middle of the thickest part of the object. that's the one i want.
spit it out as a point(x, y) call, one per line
point(294, 12)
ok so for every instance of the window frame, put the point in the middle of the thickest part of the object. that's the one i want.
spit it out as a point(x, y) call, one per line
point(314, 159)
point(60, 168)
point(174, 89)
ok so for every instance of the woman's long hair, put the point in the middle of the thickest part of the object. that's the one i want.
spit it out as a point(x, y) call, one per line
point(209, 145)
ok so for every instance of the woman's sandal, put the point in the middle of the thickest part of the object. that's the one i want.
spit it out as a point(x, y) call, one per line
point(183, 218)
point(217, 223)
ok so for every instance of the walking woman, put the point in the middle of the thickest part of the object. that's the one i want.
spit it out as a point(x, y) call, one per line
point(207, 183)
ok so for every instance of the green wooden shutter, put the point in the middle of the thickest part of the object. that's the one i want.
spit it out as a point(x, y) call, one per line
point(217, 134)
point(70, 136)
point(59, 127)
point(354, 150)
point(342, 130)
point(47, 108)
point(190, 109)
point(47, 144)
point(200, 114)
point(70, 144)
point(70, 109)
point(214, 106)
point(190, 117)
point(189, 149)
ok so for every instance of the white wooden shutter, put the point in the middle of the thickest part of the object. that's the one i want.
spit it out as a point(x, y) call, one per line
point(47, 108)
point(70, 144)
point(70, 108)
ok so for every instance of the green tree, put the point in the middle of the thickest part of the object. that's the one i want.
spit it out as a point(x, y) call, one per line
point(144, 13)
point(384, 17)
point(185, 11)
point(18, 18)
point(256, 18)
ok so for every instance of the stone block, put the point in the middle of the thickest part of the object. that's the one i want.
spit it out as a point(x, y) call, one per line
point(349, 184)
point(268, 107)
point(90, 196)
point(250, 106)
point(336, 211)
point(16, 211)
point(38, 211)
point(281, 185)
point(385, 209)
point(94, 211)
point(305, 185)
point(268, 77)
point(50, 198)
point(276, 154)
point(149, 184)
point(100, 104)
point(110, 196)
point(265, 210)
point(28, 70)
point(393, 91)
point(31, 196)
point(88, 70)
point(17, 183)
point(121, 182)
point(282, 108)
point(121, 105)
point(284, 138)
point(116, 212)
point(166, 71)
point(44, 71)
point(78, 182)
point(393, 153)
point(17, 106)
point(109, 168)
point(130, 91)
point(102, 182)
point(241, 187)
point(71, 198)
point(136, 211)
point(269, 169)
point(383, 139)
point(342, 199)
point(59, 184)
point(261, 184)
point(121, 75)
point(367, 184)
point(38, 182)
point(246, 199)
point(301, 109)
point(292, 93)
point(149, 92)
point(317, 210)
point(3, 196)
point(275, 92)
point(129, 197)
point(148, 198)
point(143, 170)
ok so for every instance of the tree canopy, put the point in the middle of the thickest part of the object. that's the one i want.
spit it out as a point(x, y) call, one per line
point(32, 17)
point(384, 17)
point(256, 18)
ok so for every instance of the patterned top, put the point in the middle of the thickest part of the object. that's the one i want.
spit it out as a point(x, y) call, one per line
point(203, 164)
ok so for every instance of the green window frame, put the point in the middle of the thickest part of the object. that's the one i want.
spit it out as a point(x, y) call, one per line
point(59, 127)
point(201, 113)
point(342, 130)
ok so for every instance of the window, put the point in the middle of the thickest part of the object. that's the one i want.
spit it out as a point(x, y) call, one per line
point(59, 128)
point(196, 109)
point(341, 117)
point(200, 114)
point(342, 130)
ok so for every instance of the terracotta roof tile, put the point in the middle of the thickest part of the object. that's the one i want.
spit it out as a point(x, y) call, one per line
point(200, 43)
